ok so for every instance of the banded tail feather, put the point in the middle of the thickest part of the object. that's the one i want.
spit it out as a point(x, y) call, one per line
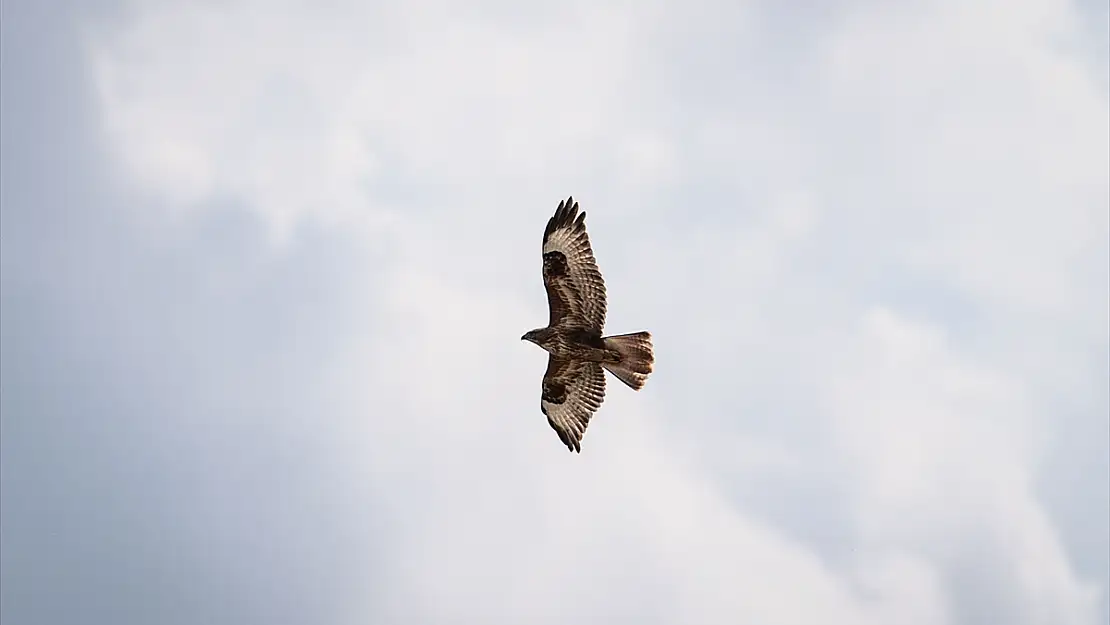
point(636, 358)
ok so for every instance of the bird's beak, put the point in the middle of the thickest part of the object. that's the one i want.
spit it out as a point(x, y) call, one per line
point(525, 337)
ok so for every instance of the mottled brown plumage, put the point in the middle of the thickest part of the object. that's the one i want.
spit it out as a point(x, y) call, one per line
point(574, 384)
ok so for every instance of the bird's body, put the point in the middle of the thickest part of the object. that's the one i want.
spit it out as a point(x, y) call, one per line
point(575, 344)
point(574, 384)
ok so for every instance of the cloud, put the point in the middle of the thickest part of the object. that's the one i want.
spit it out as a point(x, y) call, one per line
point(942, 450)
point(993, 87)
point(863, 239)
point(379, 106)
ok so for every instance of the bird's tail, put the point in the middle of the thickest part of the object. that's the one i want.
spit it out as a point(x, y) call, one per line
point(636, 358)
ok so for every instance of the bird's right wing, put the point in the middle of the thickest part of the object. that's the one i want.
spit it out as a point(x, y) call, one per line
point(572, 393)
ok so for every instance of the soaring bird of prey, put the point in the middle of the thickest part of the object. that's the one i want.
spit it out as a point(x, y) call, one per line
point(574, 384)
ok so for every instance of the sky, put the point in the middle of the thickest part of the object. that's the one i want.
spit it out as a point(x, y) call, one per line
point(265, 266)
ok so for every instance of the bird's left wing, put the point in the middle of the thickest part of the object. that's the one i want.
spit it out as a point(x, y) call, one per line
point(575, 289)
point(572, 393)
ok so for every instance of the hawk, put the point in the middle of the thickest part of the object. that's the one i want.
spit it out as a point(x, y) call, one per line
point(574, 384)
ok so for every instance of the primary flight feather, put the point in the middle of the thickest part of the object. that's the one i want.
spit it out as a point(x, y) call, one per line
point(574, 384)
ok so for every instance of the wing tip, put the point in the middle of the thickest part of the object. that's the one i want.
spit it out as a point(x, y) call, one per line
point(566, 215)
point(566, 435)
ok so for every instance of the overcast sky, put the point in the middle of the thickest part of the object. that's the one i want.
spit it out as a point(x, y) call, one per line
point(265, 267)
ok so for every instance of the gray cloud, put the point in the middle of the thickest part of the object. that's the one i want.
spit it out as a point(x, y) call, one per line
point(263, 274)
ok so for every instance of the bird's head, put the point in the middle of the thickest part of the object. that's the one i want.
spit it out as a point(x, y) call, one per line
point(533, 335)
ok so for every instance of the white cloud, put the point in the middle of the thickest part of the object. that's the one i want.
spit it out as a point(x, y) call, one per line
point(996, 140)
point(336, 112)
point(749, 212)
point(943, 451)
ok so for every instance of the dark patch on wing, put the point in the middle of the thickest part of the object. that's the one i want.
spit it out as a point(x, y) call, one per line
point(554, 264)
point(553, 392)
